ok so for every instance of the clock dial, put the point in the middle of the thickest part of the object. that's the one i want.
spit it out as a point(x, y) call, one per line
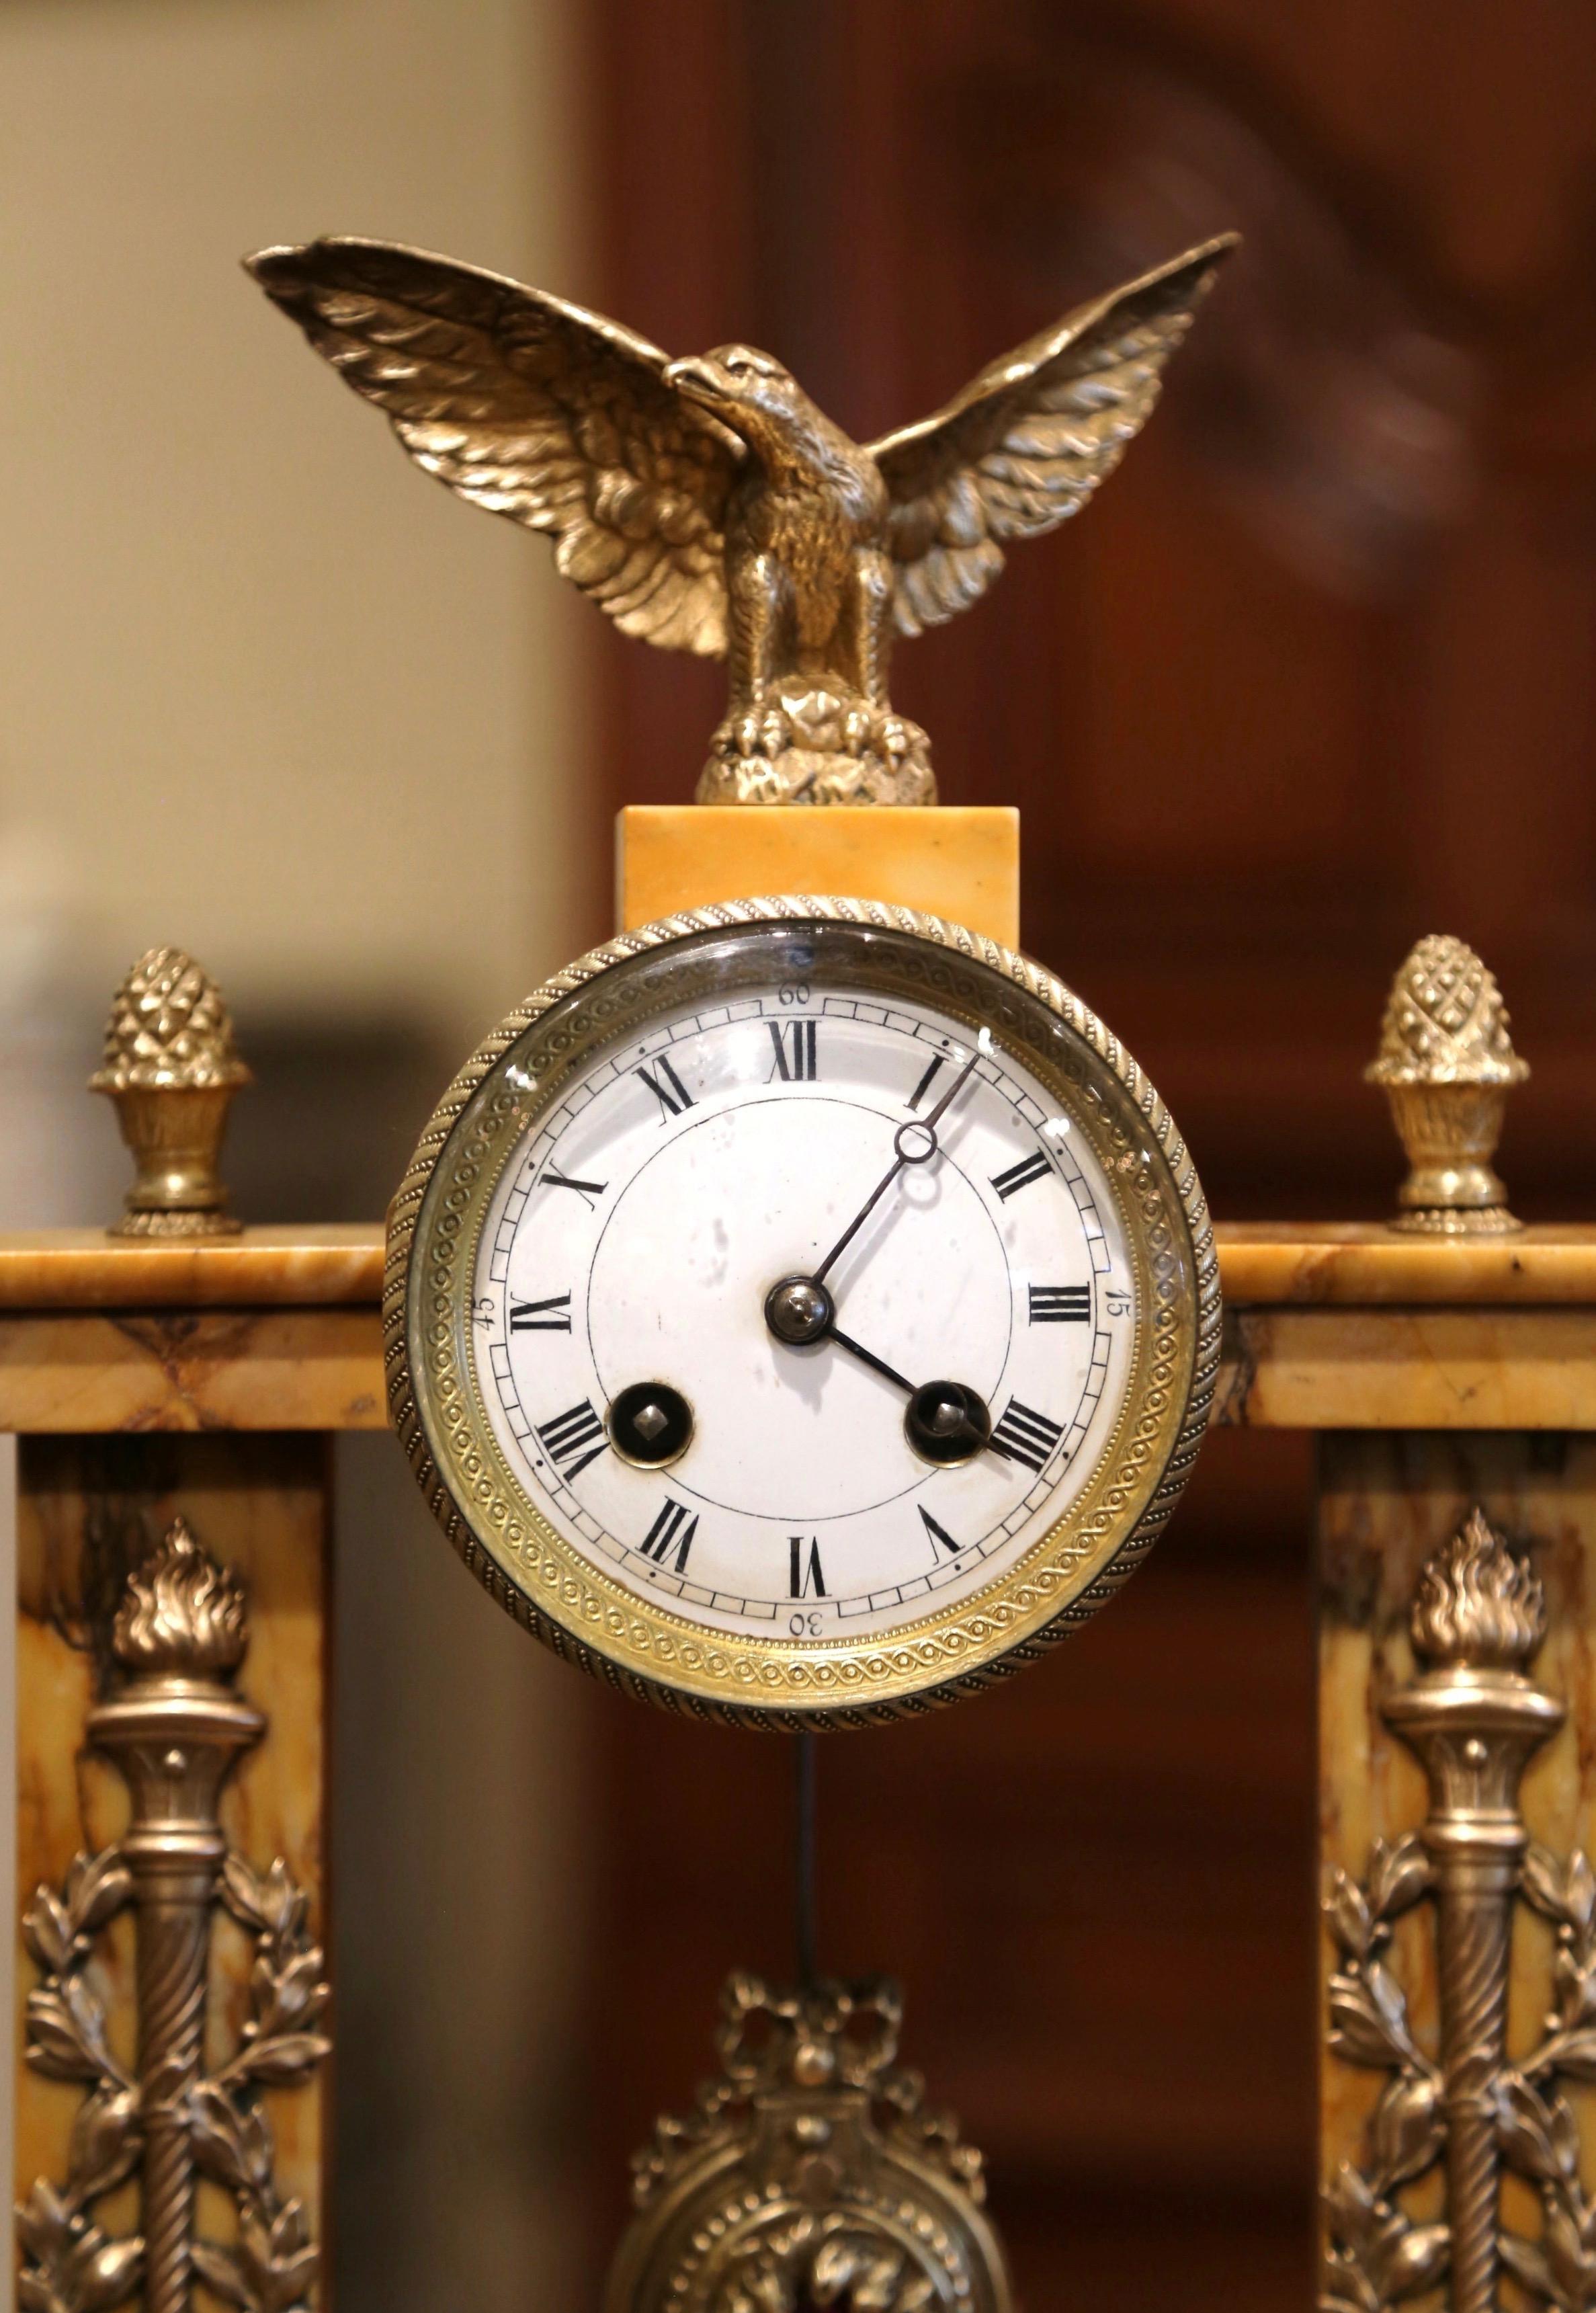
point(723, 1151)
point(802, 1317)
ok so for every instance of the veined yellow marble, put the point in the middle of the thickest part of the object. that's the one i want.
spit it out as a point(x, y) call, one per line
point(76, 1370)
point(1327, 1328)
point(90, 1510)
point(959, 862)
point(84, 1269)
point(1413, 1368)
point(1262, 1264)
point(1369, 1262)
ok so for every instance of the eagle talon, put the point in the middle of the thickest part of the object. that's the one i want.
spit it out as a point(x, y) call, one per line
point(858, 732)
point(898, 738)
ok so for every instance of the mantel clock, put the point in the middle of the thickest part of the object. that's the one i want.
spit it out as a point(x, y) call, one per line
point(801, 1310)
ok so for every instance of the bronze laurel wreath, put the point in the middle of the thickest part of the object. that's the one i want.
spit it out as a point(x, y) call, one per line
point(72, 2266)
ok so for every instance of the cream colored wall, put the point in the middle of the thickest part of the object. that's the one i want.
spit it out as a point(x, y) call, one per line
point(257, 673)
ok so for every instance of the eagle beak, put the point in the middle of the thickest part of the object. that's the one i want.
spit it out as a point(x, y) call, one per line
point(696, 379)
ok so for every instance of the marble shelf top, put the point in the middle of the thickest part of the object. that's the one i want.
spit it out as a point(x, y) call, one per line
point(1363, 1265)
point(1263, 1264)
point(303, 1266)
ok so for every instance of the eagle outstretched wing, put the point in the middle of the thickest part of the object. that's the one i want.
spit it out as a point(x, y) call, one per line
point(1026, 442)
point(534, 409)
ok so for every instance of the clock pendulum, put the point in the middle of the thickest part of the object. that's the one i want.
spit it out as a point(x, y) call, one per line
point(801, 1312)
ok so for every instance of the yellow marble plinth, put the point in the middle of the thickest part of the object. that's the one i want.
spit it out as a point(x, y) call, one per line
point(959, 862)
point(88, 1511)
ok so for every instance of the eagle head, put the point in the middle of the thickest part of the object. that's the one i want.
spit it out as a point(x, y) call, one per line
point(749, 392)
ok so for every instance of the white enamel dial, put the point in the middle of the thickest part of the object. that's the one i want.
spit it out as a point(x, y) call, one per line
point(635, 1235)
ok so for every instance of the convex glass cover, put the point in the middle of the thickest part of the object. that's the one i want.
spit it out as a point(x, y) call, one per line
point(808, 1308)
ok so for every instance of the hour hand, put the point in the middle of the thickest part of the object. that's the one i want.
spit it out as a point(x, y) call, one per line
point(945, 1421)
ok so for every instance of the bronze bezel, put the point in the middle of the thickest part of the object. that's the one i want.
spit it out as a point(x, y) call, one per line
point(642, 1647)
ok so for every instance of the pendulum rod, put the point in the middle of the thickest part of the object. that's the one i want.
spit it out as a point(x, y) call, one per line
point(803, 1858)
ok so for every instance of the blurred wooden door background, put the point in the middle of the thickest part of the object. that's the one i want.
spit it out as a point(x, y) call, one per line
point(1314, 677)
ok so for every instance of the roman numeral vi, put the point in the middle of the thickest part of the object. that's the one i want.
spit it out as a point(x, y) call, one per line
point(805, 1580)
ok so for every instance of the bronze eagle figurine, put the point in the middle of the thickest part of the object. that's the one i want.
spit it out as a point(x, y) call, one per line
point(708, 505)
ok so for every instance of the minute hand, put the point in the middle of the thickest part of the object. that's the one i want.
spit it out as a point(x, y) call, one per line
point(904, 1156)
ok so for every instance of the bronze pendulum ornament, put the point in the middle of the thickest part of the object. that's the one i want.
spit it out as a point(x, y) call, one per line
point(1447, 1063)
point(809, 2174)
point(170, 1067)
point(708, 505)
point(1474, 1718)
point(175, 1727)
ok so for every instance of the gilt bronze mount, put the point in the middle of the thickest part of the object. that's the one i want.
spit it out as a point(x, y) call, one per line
point(706, 505)
point(1446, 1063)
point(1474, 1718)
point(809, 2174)
point(176, 1727)
point(172, 1069)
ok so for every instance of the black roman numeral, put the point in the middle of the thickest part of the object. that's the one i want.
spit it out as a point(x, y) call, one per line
point(805, 1580)
point(795, 1043)
point(666, 1088)
point(1020, 1175)
point(673, 1529)
point(1024, 1435)
point(938, 1534)
point(553, 1179)
point(1060, 1305)
point(926, 1081)
point(569, 1440)
point(551, 1316)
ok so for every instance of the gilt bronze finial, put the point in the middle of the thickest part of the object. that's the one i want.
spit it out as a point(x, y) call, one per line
point(708, 505)
point(1446, 1062)
point(170, 1067)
